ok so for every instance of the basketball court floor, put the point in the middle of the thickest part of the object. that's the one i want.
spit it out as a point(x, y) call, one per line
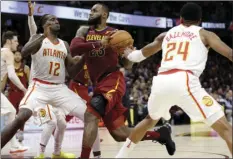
point(192, 141)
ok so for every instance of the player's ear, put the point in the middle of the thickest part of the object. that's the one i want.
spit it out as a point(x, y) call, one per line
point(8, 41)
point(105, 15)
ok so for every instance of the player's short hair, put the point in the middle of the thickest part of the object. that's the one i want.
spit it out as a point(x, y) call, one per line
point(105, 8)
point(8, 35)
point(42, 21)
point(191, 12)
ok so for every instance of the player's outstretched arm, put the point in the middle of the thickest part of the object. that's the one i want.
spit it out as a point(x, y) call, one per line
point(148, 50)
point(153, 47)
point(213, 41)
point(72, 66)
point(9, 58)
point(31, 22)
point(33, 45)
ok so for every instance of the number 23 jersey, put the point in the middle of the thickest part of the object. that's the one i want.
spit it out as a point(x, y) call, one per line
point(48, 64)
point(182, 48)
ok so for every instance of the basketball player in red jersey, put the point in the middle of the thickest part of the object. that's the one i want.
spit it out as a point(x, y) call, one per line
point(79, 84)
point(23, 72)
point(103, 67)
point(15, 94)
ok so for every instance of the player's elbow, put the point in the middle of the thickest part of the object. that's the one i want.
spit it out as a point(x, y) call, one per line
point(12, 76)
point(75, 48)
point(25, 51)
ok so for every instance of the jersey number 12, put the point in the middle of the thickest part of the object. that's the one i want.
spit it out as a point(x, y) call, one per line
point(54, 68)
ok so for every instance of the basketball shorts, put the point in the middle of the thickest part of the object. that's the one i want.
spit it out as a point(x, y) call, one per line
point(183, 89)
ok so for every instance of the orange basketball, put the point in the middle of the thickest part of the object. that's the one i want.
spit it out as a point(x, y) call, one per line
point(120, 40)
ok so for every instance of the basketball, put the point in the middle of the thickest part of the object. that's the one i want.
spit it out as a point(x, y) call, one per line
point(120, 40)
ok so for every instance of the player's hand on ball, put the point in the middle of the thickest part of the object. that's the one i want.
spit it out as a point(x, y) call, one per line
point(31, 7)
point(106, 40)
point(128, 51)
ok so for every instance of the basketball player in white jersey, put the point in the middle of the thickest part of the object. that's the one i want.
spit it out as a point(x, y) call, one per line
point(10, 43)
point(50, 125)
point(50, 57)
point(44, 116)
point(184, 55)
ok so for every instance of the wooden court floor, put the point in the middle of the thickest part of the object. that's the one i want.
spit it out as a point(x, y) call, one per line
point(192, 141)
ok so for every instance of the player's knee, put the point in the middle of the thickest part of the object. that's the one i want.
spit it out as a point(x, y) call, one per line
point(61, 124)
point(89, 117)
point(119, 137)
point(23, 115)
point(52, 124)
point(98, 102)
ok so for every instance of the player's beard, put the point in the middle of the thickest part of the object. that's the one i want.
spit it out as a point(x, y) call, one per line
point(94, 21)
point(55, 29)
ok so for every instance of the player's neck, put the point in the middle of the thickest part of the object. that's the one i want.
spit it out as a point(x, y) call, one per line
point(101, 26)
point(52, 36)
point(17, 64)
point(189, 23)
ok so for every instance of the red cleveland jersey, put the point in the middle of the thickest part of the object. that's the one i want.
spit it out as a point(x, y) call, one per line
point(23, 78)
point(83, 76)
point(100, 60)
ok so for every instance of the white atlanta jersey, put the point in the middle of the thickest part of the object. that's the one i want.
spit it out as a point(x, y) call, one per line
point(183, 49)
point(48, 64)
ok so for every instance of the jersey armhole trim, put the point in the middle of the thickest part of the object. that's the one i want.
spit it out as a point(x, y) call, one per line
point(201, 40)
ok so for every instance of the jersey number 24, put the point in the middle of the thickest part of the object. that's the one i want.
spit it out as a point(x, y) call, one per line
point(180, 49)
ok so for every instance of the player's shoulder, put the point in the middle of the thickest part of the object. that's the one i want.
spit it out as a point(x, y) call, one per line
point(5, 52)
point(65, 43)
point(205, 32)
point(110, 28)
point(35, 36)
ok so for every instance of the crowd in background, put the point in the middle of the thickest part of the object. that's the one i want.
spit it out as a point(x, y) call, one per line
point(216, 79)
point(220, 11)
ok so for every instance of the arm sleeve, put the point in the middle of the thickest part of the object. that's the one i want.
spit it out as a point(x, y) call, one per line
point(14, 78)
point(32, 25)
point(79, 47)
point(136, 56)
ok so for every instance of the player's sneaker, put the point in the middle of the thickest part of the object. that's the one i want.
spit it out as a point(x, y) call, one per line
point(22, 145)
point(18, 149)
point(166, 139)
point(64, 155)
point(41, 156)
